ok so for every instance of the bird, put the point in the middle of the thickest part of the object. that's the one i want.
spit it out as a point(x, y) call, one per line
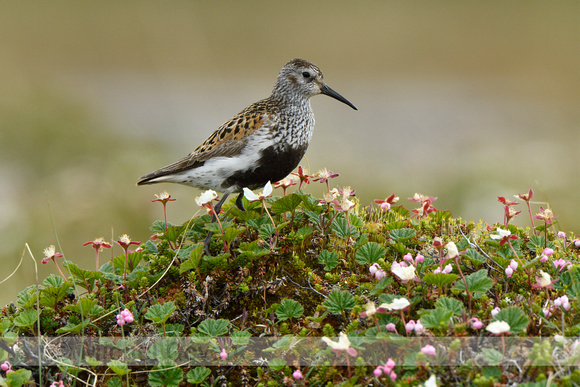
point(264, 142)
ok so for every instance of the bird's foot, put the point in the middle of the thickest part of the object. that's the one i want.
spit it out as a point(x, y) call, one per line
point(240, 201)
point(206, 243)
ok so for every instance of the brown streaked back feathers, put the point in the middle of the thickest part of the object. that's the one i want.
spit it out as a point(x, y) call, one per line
point(227, 141)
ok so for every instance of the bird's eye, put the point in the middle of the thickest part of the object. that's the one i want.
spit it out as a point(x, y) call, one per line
point(306, 74)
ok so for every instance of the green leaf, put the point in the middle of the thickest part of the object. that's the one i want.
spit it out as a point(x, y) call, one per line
point(74, 328)
point(304, 231)
point(133, 260)
point(197, 375)
point(452, 304)
point(339, 301)
point(118, 367)
point(570, 282)
point(232, 233)
point(244, 216)
point(437, 319)
point(277, 364)
point(402, 234)
point(160, 313)
point(286, 203)
point(158, 227)
point(537, 243)
point(172, 234)
point(150, 248)
point(369, 253)
point(216, 228)
point(26, 318)
point(53, 281)
point(194, 259)
point(440, 217)
point(214, 328)
point(68, 366)
point(114, 382)
point(257, 223)
point(329, 259)
point(166, 374)
point(93, 362)
point(477, 283)
point(364, 238)
point(85, 278)
point(355, 220)
point(395, 225)
point(82, 307)
point(185, 251)
point(165, 349)
point(51, 295)
point(310, 203)
point(515, 317)
point(381, 285)
point(18, 378)
point(240, 337)
point(267, 230)
point(252, 250)
point(492, 356)
point(439, 279)
point(474, 257)
point(27, 298)
point(174, 330)
point(341, 228)
point(289, 309)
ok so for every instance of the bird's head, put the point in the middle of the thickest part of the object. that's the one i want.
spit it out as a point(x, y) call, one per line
point(300, 78)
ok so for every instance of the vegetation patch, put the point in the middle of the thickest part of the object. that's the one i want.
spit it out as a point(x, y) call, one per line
point(300, 290)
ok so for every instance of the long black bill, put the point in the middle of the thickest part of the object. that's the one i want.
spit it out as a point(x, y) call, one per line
point(324, 89)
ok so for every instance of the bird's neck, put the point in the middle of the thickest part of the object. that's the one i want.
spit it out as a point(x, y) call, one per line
point(286, 99)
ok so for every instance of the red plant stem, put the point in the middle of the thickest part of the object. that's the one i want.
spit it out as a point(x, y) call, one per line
point(165, 215)
point(97, 262)
point(216, 217)
point(531, 217)
point(404, 323)
point(269, 216)
point(58, 267)
point(465, 282)
point(126, 259)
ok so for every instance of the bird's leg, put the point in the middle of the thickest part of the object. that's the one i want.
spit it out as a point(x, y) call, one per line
point(240, 201)
point(216, 210)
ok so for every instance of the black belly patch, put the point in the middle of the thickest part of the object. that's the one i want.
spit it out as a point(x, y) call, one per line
point(274, 164)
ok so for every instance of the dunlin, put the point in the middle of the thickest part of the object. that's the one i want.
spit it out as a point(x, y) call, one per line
point(264, 142)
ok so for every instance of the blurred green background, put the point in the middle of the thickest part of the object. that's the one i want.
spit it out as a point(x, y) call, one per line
point(461, 100)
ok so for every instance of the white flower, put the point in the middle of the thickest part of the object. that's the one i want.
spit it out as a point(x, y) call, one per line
point(431, 382)
point(206, 197)
point(125, 239)
point(253, 197)
point(49, 251)
point(162, 196)
point(396, 304)
point(544, 279)
point(370, 309)
point(559, 339)
point(500, 234)
point(498, 327)
point(404, 273)
point(343, 344)
point(452, 251)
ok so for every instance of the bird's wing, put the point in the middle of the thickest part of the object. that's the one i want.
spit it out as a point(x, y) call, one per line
point(227, 141)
